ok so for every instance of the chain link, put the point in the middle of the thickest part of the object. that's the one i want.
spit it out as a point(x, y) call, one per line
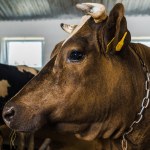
point(144, 104)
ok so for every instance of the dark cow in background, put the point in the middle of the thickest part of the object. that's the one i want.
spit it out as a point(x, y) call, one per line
point(96, 86)
point(12, 80)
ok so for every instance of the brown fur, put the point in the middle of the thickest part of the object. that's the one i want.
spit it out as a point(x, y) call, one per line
point(97, 98)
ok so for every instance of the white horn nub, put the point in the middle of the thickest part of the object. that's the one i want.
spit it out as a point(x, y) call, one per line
point(68, 28)
point(97, 11)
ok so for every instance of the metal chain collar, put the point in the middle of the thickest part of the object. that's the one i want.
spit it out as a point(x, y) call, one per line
point(144, 105)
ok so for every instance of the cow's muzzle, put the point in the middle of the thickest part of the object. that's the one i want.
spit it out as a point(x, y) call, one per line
point(22, 118)
point(8, 114)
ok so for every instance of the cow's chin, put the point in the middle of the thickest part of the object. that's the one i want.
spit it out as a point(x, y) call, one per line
point(85, 131)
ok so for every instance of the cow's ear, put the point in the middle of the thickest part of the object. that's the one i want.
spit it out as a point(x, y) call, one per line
point(116, 34)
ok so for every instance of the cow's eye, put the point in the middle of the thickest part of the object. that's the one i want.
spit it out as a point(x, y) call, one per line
point(76, 56)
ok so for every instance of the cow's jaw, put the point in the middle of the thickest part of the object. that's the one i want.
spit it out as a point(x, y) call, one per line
point(84, 131)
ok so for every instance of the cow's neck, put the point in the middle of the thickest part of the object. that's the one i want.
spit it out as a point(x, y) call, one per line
point(141, 131)
point(140, 136)
point(138, 139)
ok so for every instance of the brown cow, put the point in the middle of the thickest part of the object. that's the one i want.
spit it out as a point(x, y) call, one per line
point(92, 87)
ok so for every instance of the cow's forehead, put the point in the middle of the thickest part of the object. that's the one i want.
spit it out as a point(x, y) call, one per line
point(82, 23)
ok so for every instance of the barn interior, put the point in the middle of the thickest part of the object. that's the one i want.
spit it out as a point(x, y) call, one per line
point(39, 21)
point(30, 29)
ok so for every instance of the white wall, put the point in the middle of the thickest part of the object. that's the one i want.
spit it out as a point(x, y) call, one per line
point(51, 31)
point(139, 26)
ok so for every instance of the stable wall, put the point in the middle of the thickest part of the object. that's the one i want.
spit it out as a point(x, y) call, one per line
point(51, 31)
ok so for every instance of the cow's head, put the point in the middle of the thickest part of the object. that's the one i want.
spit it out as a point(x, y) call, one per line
point(87, 86)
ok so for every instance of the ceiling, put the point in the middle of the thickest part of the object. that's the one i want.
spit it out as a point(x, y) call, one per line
point(39, 9)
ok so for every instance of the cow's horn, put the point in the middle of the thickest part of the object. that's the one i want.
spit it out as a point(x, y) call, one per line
point(68, 28)
point(97, 11)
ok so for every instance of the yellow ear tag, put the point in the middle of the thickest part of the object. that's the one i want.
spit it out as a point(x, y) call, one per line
point(120, 44)
point(109, 44)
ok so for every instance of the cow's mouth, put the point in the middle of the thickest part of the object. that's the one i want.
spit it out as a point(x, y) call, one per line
point(25, 127)
point(23, 123)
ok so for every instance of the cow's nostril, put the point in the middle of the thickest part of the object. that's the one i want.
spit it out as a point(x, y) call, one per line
point(9, 114)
